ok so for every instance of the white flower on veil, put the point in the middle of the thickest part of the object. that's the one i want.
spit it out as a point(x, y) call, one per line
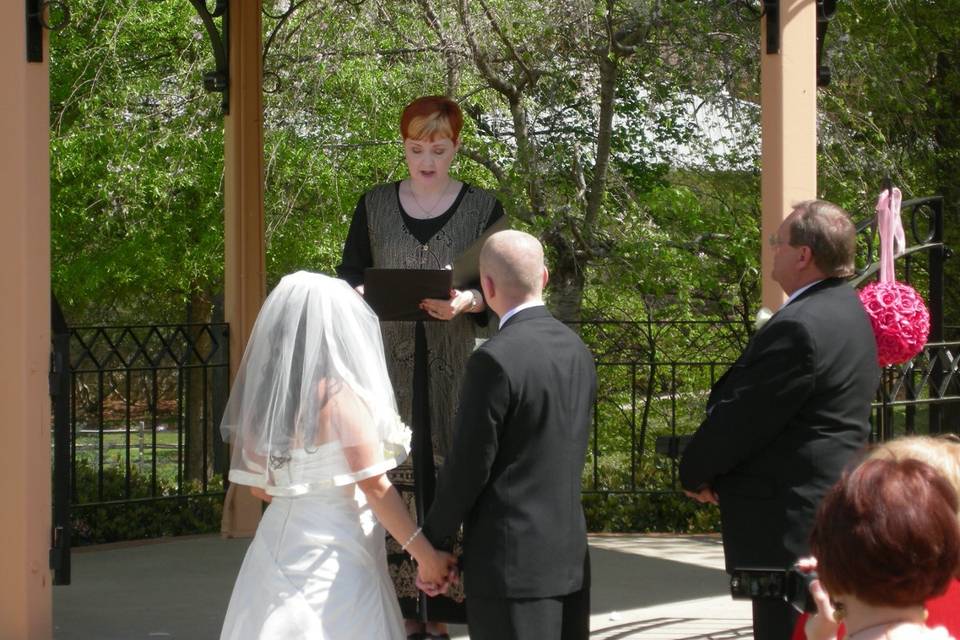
point(396, 432)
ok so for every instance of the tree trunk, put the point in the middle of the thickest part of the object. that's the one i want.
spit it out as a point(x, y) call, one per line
point(566, 279)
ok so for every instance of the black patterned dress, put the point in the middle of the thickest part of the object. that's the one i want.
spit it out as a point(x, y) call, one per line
point(425, 360)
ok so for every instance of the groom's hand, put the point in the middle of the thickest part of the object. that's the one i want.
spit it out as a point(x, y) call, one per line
point(704, 495)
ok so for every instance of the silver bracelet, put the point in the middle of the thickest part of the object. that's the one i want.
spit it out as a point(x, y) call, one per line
point(413, 537)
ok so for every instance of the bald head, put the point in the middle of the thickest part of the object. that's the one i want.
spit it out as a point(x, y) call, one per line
point(512, 262)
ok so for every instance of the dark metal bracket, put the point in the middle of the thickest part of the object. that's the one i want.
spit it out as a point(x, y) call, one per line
point(218, 79)
point(825, 12)
point(37, 12)
point(61, 531)
point(771, 11)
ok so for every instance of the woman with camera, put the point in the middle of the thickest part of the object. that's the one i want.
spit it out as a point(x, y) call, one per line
point(886, 541)
point(943, 454)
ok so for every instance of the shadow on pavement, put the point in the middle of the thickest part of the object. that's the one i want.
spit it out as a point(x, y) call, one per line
point(179, 589)
point(624, 581)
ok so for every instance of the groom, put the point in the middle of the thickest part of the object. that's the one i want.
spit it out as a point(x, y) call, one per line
point(512, 476)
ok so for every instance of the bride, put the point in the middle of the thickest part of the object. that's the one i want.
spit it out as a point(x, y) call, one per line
point(313, 426)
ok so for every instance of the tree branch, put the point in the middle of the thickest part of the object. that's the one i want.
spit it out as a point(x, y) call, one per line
point(497, 82)
point(446, 47)
point(532, 76)
point(486, 162)
point(608, 82)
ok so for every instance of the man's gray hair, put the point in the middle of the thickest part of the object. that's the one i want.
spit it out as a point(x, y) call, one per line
point(827, 229)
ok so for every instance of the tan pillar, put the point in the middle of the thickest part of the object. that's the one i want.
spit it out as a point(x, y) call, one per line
point(789, 126)
point(244, 253)
point(25, 579)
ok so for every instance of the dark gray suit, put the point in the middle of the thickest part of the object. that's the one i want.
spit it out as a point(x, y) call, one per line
point(512, 477)
point(782, 423)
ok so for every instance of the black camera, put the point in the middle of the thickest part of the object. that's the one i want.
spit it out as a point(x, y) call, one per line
point(790, 585)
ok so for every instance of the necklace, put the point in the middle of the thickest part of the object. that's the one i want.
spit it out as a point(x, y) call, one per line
point(885, 625)
point(852, 636)
point(428, 213)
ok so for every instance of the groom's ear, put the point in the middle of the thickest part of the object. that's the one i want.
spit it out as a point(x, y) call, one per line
point(489, 288)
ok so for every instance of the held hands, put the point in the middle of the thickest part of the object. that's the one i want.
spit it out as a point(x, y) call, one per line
point(437, 573)
point(459, 302)
point(705, 494)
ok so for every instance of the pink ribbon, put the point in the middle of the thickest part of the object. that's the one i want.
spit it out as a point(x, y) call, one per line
point(892, 239)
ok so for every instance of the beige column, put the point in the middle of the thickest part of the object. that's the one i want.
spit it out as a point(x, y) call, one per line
point(25, 579)
point(789, 126)
point(244, 252)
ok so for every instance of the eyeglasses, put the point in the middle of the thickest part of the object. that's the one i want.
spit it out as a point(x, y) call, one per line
point(774, 240)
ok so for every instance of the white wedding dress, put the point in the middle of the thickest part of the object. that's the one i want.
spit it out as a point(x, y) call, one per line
point(317, 568)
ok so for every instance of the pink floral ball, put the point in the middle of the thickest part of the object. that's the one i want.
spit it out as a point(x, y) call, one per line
point(901, 322)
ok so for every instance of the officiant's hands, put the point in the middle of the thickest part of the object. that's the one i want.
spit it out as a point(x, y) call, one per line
point(465, 301)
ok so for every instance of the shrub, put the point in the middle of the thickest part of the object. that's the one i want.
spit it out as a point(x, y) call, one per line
point(141, 516)
point(649, 512)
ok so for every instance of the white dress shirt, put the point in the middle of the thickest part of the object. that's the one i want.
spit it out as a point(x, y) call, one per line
point(517, 309)
point(793, 296)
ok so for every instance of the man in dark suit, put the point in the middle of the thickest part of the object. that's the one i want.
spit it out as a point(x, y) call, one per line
point(792, 411)
point(512, 476)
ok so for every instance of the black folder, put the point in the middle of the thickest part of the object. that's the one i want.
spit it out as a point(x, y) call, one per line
point(395, 294)
point(466, 268)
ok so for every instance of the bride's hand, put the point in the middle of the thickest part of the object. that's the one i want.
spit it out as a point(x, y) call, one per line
point(261, 494)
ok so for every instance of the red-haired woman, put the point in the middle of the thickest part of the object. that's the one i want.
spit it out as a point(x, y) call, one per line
point(886, 539)
point(424, 222)
point(943, 454)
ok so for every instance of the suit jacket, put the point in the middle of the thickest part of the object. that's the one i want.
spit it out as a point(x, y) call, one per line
point(784, 421)
point(512, 475)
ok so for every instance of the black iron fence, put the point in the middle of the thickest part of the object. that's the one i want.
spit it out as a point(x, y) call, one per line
point(653, 381)
point(643, 399)
point(137, 424)
point(655, 377)
point(144, 402)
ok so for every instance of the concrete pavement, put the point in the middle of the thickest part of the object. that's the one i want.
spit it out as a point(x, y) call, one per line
point(645, 587)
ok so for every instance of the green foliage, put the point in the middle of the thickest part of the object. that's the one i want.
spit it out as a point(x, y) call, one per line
point(891, 110)
point(136, 163)
point(649, 512)
point(136, 155)
point(143, 518)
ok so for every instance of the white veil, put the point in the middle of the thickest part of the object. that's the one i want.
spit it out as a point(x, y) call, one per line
point(312, 404)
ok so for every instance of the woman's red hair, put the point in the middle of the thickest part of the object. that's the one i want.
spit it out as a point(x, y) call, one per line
point(887, 533)
point(430, 118)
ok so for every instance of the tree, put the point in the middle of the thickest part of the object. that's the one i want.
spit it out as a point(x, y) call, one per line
point(136, 164)
point(574, 110)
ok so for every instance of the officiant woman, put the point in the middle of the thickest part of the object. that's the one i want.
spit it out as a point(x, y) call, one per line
point(424, 222)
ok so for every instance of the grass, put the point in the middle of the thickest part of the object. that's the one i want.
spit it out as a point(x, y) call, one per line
point(141, 456)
